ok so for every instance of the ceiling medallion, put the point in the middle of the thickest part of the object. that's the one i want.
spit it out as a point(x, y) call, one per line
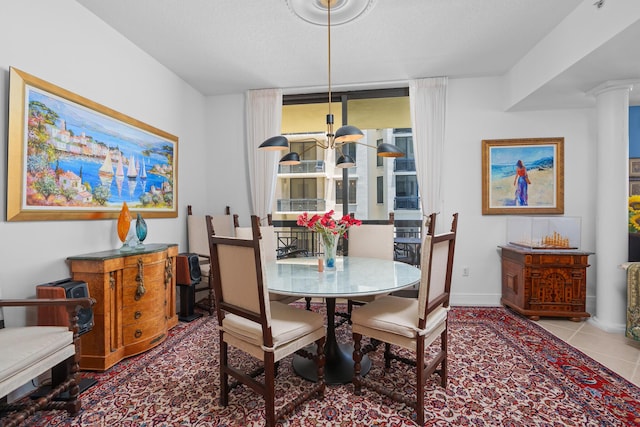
point(342, 11)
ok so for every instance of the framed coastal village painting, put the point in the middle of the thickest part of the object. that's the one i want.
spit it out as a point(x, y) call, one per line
point(523, 176)
point(70, 158)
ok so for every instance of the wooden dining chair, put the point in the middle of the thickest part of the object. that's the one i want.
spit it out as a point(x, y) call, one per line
point(198, 244)
point(409, 323)
point(248, 321)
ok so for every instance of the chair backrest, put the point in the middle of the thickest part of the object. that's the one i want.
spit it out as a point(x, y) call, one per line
point(197, 230)
point(436, 268)
point(269, 244)
point(239, 286)
point(371, 240)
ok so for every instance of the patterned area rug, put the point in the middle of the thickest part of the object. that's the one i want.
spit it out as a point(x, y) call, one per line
point(504, 370)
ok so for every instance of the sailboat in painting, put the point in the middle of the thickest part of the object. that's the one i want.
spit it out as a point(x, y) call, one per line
point(119, 174)
point(143, 176)
point(132, 172)
point(105, 173)
point(143, 171)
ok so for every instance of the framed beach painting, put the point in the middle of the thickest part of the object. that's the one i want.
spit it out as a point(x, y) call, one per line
point(523, 176)
point(70, 158)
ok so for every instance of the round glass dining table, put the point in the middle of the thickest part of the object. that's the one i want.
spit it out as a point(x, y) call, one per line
point(353, 277)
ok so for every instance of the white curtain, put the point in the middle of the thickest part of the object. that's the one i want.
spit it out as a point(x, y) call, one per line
point(427, 99)
point(264, 120)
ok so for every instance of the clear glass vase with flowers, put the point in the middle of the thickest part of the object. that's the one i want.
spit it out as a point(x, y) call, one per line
point(329, 230)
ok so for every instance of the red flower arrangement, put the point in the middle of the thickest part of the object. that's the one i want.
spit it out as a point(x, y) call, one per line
point(326, 225)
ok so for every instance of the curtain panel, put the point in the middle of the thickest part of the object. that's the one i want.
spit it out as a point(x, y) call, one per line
point(263, 120)
point(427, 100)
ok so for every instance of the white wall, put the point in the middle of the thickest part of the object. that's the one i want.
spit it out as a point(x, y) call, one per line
point(227, 170)
point(64, 44)
point(474, 113)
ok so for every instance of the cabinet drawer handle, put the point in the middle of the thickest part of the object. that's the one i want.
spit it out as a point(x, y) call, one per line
point(138, 333)
point(140, 290)
point(137, 315)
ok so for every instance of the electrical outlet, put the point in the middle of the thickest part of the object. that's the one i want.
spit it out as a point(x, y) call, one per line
point(465, 271)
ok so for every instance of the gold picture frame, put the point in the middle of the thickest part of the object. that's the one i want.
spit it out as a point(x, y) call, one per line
point(537, 189)
point(70, 158)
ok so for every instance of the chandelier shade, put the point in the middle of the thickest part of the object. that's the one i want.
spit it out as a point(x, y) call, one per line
point(389, 150)
point(291, 158)
point(348, 133)
point(275, 143)
point(345, 161)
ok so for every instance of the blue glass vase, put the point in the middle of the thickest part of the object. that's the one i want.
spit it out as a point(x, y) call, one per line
point(141, 231)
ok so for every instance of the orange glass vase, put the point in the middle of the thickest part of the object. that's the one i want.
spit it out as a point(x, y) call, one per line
point(124, 223)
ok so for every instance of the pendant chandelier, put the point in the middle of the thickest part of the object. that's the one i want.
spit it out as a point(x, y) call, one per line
point(335, 141)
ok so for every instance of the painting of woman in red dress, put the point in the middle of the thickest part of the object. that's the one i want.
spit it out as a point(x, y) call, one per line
point(521, 181)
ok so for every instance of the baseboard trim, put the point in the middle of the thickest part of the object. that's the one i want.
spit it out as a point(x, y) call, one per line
point(490, 300)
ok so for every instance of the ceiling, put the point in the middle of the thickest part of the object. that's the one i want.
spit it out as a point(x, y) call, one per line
point(226, 46)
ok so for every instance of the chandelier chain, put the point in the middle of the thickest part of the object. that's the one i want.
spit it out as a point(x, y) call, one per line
point(330, 140)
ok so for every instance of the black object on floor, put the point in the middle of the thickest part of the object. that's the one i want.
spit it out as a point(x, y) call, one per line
point(84, 384)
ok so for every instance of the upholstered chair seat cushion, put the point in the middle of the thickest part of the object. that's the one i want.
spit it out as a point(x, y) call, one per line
point(29, 351)
point(397, 315)
point(287, 324)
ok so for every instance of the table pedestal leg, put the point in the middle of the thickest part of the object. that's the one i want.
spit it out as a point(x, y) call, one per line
point(338, 368)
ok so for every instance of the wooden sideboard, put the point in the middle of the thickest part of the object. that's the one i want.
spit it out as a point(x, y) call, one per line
point(549, 283)
point(135, 297)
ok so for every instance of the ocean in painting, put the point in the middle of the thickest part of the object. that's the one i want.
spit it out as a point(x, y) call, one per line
point(503, 159)
point(502, 171)
point(122, 189)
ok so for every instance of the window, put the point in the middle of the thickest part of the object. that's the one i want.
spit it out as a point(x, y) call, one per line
point(349, 150)
point(405, 144)
point(383, 115)
point(303, 188)
point(379, 159)
point(352, 192)
point(406, 192)
point(303, 196)
point(305, 149)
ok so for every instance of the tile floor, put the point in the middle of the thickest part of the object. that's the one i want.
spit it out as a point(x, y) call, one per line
point(620, 354)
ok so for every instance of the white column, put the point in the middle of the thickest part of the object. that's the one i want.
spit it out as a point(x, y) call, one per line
point(611, 205)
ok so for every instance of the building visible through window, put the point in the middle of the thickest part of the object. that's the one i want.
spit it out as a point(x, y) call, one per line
point(377, 185)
